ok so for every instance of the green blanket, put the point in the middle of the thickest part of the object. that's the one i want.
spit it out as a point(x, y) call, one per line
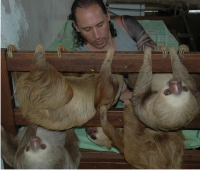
point(64, 37)
point(161, 35)
point(192, 138)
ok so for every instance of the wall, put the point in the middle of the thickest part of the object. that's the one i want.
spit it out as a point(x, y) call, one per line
point(26, 23)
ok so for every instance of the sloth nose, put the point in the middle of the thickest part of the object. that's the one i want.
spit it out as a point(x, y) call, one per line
point(35, 143)
point(175, 86)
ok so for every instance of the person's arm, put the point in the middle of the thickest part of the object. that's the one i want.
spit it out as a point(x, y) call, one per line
point(132, 27)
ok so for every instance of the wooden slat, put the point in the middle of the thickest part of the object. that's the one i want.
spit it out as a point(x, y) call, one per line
point(123, 62)
point(166, 3)
point(109, 160)
point(115, 117)
point(7, 116)
point(6, 103)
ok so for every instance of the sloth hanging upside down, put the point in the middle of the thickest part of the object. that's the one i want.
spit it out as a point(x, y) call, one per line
point(57, 102)
point(146, 141)
point(161, 101)
point(165, 101)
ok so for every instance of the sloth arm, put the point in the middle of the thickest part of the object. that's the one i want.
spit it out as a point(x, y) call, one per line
point(116, 136)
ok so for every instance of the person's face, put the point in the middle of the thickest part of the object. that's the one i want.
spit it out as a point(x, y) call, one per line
point(93, 25)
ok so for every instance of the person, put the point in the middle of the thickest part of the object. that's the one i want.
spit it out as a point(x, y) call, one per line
point(95, 31)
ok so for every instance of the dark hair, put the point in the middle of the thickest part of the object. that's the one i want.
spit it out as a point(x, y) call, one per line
point(78, 39)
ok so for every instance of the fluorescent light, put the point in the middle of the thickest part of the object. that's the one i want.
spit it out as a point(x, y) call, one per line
point(194, 11)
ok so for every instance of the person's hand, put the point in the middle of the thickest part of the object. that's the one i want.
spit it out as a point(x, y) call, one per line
point(125, 93)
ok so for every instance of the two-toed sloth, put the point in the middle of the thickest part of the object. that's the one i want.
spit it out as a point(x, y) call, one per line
point(141, 146)
point(38, 148)
point(165, 101)
point(159, 100)
point(54, 101)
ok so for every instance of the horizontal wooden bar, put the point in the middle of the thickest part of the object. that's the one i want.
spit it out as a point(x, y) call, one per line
point(114, 115)
point(88, 62)
point(109, 160)
point(166, 3)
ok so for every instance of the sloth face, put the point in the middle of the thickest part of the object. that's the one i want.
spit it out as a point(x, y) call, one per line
point(96, 135)
point(175, 87)
point(40, 154)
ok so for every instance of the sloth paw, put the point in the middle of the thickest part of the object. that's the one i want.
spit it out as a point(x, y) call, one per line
point(60, 49)
point(182, 49)
point(10, 49)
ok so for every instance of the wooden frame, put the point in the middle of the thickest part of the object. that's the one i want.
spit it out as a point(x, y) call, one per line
point(123, 62)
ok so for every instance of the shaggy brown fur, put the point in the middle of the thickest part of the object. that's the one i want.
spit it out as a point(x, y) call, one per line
point(38, 148)
point(58, 102)
point(96, 135)
point(141, 146)
point(165, 101)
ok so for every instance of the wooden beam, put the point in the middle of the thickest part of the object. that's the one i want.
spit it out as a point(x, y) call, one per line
point(6, 102)
point(114, 115)
point(109, 160)
point(167, 3)
point(87, 62)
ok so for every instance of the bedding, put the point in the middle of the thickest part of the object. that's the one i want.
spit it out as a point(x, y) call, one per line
point(158, 31)
point(192, 138)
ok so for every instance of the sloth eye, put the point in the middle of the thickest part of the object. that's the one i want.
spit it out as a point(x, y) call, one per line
point(43, 146)
point(27, 148)
point(93, 137)
point(167, 92)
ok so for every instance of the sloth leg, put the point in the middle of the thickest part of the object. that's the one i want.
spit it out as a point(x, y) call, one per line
point(179, 70)
point(107, 87)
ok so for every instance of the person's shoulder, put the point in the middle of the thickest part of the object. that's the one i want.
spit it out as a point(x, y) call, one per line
point(118, 21)
point(121, 17)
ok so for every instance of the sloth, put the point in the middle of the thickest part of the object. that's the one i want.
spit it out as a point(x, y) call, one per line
point(165, 101)
point(159, 103)
point(37, 148)
point(57, 102)
point(141, 146)
point(97, 136)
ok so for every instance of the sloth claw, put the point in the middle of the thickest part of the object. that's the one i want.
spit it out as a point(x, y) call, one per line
point(10, 49)
point(162, 48)
point(60, 49)
point(182, 49)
